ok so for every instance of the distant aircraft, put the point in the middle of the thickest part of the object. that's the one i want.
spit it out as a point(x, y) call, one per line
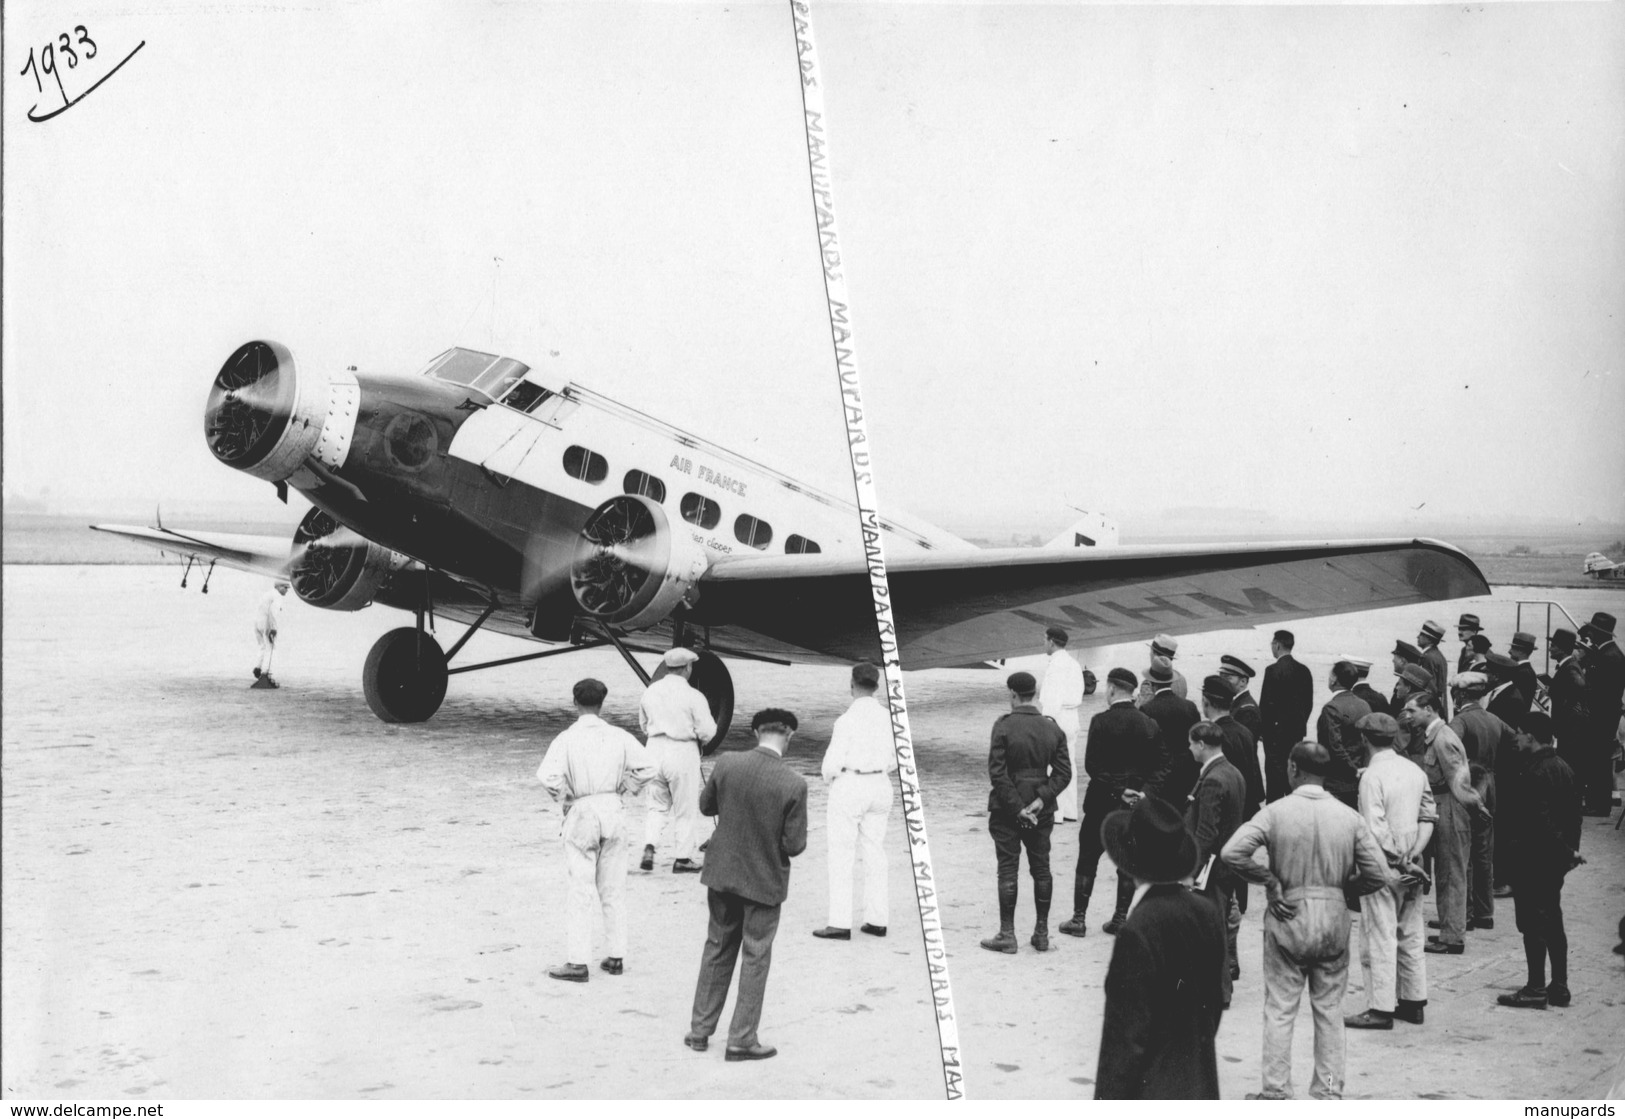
point(1599, 566)
point(480, 492)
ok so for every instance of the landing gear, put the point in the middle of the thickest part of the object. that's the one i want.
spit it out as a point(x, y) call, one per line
point(405, 676)
point(710, 676)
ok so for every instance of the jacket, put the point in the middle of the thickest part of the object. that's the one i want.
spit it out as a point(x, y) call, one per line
point(1286, 698)
point(1547, 816)
point(1124, 751)
point(1174, 717)
point(1433, 660)
point(1242, 752)
point(1373, 698)
point(1215, 811)
point(761, 808)
point(1336, 732)
point(1570, 717)
point(1028, 758)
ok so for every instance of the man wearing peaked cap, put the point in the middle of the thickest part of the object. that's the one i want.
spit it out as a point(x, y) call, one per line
point(1244, 707)
point(1362, 686)
point(1433, 660)
point(1286, 700)
point(1122, 752)
point(1605, 694)
point(1466, 628)
point(676, 720)
point(1405, 653)
point(1164, 646)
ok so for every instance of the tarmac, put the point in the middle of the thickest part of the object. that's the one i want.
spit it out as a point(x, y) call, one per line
point(217, 892)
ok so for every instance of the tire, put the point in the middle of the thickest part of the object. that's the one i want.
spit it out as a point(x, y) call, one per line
point(405, 676)
point(716, 684)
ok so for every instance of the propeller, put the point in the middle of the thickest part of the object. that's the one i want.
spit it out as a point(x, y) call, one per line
point(618, 554)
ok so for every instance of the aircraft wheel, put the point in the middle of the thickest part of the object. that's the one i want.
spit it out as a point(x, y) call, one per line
point(405, 676)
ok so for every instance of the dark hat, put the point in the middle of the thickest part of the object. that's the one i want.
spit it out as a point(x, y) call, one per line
point(1164, 646)
point(1479, 643)
point(1433, 629)
point(1419, 678)
point(1150, 842)
point(1123, 678)
point(1524, 641)
point(1408, 651)
point(1219, 688)
point(1562, 639)
point(1161, 671)
point(1469, 621)
point(1236, 665)
point(1500, 665)
point(1603, 622)
point(1591, 636)
point(1377, 727)
point(1022, 683)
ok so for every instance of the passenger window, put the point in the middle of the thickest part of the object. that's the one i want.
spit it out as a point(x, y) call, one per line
point(749, 530)
point(525, 396)
point(798, 545)
point(584, 465)
point(648, 485)
point(697, 510)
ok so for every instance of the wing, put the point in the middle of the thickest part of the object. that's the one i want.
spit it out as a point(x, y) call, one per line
point(261, 555)
point(957, 608)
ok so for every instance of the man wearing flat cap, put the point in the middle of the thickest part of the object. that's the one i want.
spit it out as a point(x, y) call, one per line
point(1164, 646)
point(1286, 700)
point(1028, 765)
point(1605, 693)
point(1570, 718)
point(1175, 717)
point(1335, 731)
point(1320, 852)
point(1122, 752)
point(677, 720)
point(1244, 708)
point(1362, 688)
point(1467, 628)
point(1433, 660)
point(1488, 742)
point(1163, 997)
point(1398, 808)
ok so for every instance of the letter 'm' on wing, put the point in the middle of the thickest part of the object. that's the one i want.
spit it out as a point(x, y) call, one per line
point(957, 608)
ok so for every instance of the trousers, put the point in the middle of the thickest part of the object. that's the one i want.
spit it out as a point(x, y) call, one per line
point(859, 808)
point(675, 787)
point(1276, 751)
point(1596, 773)
point(1089, 851)
point(1284, 980)
point(1066, 804)
point(267, 643)
point(1392, 943)
point(742, 930)
point(1219, 891)
point(1537, 902)
point(1481, 858)
point(595, 864)
point(1009, 837)
point(1452, 838)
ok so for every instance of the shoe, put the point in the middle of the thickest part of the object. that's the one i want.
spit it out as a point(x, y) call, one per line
point(1235, 972)
point(256, 672)
point(648, 862)
point(873, 930)
point(1369, 1020)
point(1529, 998)
point(1005, 942)
point(695, 1042)
point(1557, 994)
point(1503, 891)
point(1481, 923)
point(1438, 947)
point(612, 964)
point(686, 866)
point(1410, 1010)
point(1435, 925)
point(1040, 939)
point(570, 973)
point(830, 932)
point(751, 1053)
point(1110, 927)
point(1073, 925)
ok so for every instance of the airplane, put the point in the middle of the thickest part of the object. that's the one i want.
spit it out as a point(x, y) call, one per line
point(480, 491)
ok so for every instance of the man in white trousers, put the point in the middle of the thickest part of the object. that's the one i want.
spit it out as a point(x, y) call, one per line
point(1059, 697)
point(858, 766)
point(676, 722)
point(267, 617)
point(589, 766)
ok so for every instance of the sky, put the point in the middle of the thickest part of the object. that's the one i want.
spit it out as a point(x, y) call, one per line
point(1357, 265)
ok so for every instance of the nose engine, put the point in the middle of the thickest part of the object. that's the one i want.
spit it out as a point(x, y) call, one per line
point(266, 417)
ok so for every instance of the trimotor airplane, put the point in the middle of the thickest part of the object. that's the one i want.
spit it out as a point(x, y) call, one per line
point(479, 491)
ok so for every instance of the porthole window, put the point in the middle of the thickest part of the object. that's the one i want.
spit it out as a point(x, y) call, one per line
point(749, 530)
point(697, 510)
point(800, 545)
point(648, 485)
point(584, 465)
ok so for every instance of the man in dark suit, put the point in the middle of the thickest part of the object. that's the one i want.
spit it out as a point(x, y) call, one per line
point(1175, 717)
point(1335, 731)
point(761, 809)
point(1433, 660)
point(1286, 698)
point(1524, 675)
point(1214, 814)
point(1489, 744)
point(1506, 699)
point(1362, 686)
point(1163, 993)
point(1123, 750)
point(1570, 718)
point(1244, 708)
point(1239, 745)
point(1605, 691)
point(1467, 628)
point(1029, 766)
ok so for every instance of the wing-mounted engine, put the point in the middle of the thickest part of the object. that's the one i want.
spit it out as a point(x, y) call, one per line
point(630, 568)
point(266, 417)
point(337, 569)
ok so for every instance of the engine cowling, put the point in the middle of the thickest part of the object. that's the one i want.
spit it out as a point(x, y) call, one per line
point(630, 568)
point(337, 569)
point(266, 417)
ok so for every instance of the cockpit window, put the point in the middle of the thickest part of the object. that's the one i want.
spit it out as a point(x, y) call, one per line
point(485, 373)
point(526, 395)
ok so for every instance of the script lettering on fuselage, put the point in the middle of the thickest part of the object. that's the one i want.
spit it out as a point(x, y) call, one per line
point(722, 481)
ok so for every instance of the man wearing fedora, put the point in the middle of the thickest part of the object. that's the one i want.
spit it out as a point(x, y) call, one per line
point(1335, 731)
point(1028, 764)
point(1175, 717)
point(1524, 675)
point(1433, 660)
point(1570, 718)
point(1164, 646)
point(676, 720)
point(1398, 808)
point(1605, 691)
point(1123, 751)
point(1488, 743)
point(1214, 814)
point(1286, 700)
point(1467, 627)
point(1163, 986)
point(1320, 853)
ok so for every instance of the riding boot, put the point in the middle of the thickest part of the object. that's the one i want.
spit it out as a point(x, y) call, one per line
point(1074, 926)
point(1125, 898)
point(1006, 940)
point(1042, 890)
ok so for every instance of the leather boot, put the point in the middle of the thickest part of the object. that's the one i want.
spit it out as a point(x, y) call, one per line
point(1074, 926)
point(1043, 889)
point(1125, 898)
point(1006, 940)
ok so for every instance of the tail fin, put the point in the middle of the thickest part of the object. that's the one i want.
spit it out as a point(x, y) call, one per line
point(1094, 530)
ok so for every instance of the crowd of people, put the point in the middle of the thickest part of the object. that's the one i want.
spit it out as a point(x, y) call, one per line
point(1470, 784)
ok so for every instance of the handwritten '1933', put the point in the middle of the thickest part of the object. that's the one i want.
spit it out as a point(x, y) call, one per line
point(50, 62)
